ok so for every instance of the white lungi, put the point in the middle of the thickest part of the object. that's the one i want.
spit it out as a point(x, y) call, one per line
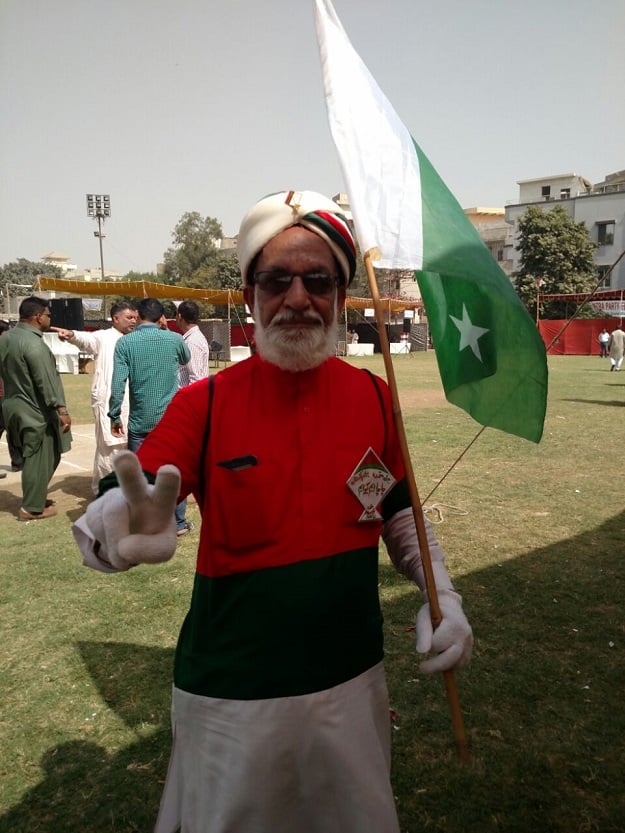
point(318, 763)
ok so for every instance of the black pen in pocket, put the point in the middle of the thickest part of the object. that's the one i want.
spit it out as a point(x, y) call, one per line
point(239, 463)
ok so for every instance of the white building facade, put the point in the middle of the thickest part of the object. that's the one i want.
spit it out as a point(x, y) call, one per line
point(601, 207)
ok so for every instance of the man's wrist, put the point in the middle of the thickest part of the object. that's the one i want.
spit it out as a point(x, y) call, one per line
point(62, 410)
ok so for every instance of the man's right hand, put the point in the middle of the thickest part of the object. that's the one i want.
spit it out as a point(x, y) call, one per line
point(152, 528)
point(133, 524)
point(150, 507)
point(62, 333)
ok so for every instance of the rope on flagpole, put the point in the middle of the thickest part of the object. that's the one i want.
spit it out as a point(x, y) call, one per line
point(417, 511)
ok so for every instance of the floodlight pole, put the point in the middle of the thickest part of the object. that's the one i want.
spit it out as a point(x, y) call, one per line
point(100, 236)
point(99, 207)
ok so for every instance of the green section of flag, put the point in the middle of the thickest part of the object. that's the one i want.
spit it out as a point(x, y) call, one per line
point(491, 357)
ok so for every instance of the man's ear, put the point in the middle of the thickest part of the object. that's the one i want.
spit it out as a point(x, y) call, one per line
point(248, 295)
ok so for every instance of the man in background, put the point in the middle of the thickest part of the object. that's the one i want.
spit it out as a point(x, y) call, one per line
point(101, 344)
point(616, 346)
point(603, 339)
point(148, 359)
point(16, 457)
point(35, 412)
point(187, 319)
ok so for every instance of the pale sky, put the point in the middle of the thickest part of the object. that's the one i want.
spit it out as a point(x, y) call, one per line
point(180, 105)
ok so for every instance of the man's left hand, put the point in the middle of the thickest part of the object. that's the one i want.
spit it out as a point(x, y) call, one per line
point(451, 642)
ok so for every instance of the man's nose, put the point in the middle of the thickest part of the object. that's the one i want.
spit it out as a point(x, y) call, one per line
point(297, 295)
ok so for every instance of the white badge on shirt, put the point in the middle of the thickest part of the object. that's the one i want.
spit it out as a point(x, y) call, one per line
point(370, 482)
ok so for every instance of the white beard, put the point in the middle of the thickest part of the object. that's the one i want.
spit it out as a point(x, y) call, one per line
point(296, 348)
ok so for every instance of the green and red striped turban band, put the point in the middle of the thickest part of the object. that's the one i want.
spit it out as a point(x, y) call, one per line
point(277, 212)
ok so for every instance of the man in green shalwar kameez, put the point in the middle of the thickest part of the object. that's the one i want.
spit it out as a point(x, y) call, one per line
point(35, 412)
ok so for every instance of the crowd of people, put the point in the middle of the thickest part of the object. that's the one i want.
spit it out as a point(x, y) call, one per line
point(131, 387)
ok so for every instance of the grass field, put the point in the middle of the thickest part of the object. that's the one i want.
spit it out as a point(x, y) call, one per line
point(535, 538)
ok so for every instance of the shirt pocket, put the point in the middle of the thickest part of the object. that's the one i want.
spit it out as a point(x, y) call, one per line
point(248, 507)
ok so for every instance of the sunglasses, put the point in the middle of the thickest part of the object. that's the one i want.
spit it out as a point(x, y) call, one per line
point(278, 283)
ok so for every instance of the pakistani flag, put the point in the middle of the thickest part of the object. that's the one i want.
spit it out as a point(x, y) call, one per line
point(491, 357)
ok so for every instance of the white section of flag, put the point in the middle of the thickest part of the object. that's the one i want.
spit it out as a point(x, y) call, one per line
point(377, 154)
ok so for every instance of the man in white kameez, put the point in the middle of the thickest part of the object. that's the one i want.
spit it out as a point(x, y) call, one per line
point(616, 348)
point(101, 344)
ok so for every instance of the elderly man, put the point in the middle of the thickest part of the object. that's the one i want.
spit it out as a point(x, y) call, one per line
point(101, 344)
point(35, 412)
point(280, 708)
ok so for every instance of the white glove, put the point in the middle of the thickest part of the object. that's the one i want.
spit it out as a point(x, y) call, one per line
point(452, 641)
point(133, 524)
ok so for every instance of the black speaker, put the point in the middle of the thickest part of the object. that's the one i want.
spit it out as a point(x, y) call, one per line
point(67, 313)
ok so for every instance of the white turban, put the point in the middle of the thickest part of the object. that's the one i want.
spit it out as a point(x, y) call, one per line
point(280, 211)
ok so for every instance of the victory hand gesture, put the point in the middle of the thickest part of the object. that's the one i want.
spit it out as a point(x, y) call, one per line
point(151, 510)
point(135, 523)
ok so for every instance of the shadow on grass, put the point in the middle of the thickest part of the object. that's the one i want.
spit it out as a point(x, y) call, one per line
point(84, 788)
point(125, 676)
point(63, 490)
point(619, 403)
point(542, 698)
point(542, 701)
point(87, 790)
point(73, 486)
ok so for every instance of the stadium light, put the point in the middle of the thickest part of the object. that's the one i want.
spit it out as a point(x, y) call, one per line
point(99, 207)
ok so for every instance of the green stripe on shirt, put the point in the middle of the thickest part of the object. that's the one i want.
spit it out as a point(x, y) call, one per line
point(282, 631)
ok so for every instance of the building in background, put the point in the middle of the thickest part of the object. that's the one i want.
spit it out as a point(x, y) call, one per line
point(61, 261)
point(495, 231)
point(601, 207)
point(70, 270)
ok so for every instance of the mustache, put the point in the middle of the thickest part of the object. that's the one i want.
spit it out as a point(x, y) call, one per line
point(291, 317)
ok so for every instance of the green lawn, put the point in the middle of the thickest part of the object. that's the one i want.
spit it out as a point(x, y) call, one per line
point(535, 540)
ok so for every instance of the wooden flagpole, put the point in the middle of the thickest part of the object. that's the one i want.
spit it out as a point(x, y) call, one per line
point(417, 510)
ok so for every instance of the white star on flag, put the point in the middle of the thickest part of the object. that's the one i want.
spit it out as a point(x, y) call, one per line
point(469, 333)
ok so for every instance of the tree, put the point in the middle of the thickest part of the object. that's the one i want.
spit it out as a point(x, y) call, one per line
point(557, 257)
point(23, 272)
point(222, 273)
point(194, 249)
point(140, 276)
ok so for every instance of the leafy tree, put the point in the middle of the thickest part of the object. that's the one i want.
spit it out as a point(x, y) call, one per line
point(194, 248)
point(140, 276)
point(557, 257)
point(24, 272)
point(222, 273)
